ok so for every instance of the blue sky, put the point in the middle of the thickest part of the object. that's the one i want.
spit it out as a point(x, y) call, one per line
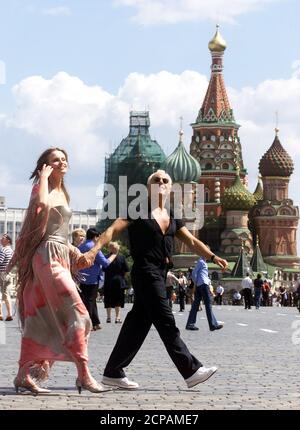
point(101, 44)
point(75, 68)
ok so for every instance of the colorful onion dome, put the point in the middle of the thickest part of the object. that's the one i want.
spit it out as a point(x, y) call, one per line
point(181, 166)
point(217, 44)
point(276, 161)
point(237, 197)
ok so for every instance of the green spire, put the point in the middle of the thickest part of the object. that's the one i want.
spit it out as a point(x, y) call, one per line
point(257, 261)
point(242, 266)
point(259, 192)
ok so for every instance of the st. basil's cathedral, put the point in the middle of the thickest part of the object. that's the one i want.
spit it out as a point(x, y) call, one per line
point(255, 232)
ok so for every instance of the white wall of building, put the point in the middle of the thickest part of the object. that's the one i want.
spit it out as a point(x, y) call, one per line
point(11, 221)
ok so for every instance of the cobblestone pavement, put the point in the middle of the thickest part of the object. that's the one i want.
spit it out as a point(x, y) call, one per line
point(257, 352)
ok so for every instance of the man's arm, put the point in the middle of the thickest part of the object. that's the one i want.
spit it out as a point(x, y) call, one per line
point(199, 247)
point(107, 236)
point(103, 261)
point(174, 278)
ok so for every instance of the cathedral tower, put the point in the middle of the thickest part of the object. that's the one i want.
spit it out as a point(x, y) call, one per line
point(216, 145)
point(275, 216)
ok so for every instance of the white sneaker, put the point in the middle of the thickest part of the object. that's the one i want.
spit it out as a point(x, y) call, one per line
point(201, 375)
point(120, 382)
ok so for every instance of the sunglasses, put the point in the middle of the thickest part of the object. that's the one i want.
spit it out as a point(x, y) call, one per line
point(157, 180)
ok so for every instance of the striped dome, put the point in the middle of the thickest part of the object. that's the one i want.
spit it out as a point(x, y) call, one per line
point(181, 166)
point(237, 197)
point(276, 161)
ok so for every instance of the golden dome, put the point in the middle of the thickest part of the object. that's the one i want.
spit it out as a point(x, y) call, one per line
point(217, 44)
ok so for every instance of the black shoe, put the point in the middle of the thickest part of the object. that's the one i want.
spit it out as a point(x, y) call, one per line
point(217, 328)
point(191, 327)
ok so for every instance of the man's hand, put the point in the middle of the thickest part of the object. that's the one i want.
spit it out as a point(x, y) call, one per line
point(86, 260)
point(221, 262)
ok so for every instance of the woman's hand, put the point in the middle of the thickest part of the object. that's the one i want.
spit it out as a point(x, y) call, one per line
point(45, 172)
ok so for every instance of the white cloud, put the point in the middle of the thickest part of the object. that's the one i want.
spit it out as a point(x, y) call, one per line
point(57, 11)
point(85, 120)
point(296, 68)
point(150, 12)
point(62, 111)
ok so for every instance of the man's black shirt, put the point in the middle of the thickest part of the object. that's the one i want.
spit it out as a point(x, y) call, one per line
point(150, 248)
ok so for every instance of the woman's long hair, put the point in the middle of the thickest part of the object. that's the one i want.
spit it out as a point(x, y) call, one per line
point(32, 232)
point(44, 159)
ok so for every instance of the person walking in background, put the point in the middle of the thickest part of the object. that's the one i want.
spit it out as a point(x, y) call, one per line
point(190, 287)
point(171, 282)
point(247, 286)
point(115, 283)
point(151, 238)
point(258, 284)
point(55, 322)
point(202, 292)
point(219, 294)
point(78, 237)
point(6, 254)
point(282, 296)
point(130, 295)
point(90, 283)
point(182, 286)
point(265, 293)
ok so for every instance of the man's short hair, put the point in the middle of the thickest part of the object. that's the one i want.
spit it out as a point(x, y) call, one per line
point(160, 172)
point(7, 237)
point(247, 274)
point(92, 233)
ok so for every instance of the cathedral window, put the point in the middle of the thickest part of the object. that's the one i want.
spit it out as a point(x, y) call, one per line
point(225, 166)
point(208, 166)
point(206, 195)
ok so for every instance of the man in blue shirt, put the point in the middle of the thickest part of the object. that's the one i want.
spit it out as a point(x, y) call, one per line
point(202, 292)
point(92, 275)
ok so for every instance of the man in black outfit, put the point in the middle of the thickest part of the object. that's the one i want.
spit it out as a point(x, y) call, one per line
point(151, 243)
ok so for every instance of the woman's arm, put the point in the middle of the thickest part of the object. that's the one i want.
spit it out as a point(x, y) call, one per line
point(43, 190)
point(199, 247)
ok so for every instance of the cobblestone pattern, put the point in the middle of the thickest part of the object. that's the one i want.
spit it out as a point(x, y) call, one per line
point(257, 369)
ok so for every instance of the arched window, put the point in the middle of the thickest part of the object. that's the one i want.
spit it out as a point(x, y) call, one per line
point(208, 166)
point(213, 138)
point(225, 166)
point(206, 195)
